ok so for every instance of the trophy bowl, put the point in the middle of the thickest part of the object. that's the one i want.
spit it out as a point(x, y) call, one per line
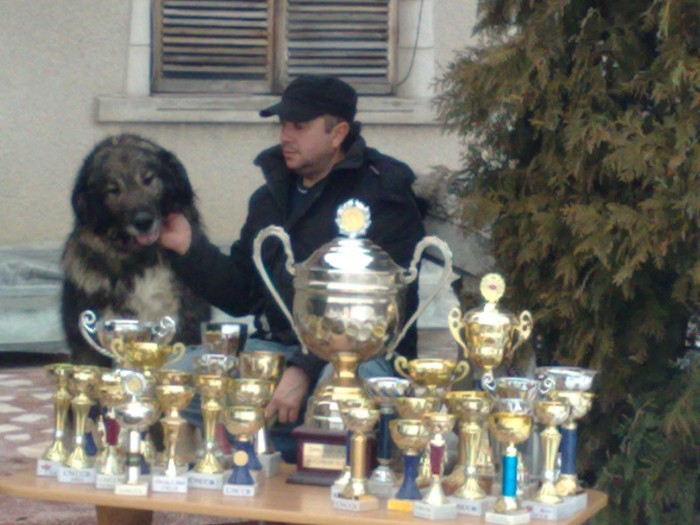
point(431, 373)
point(146, 356)
point(243, 420)
point(568, 378)
point(349, 302)
point(167, 377)
point(250, 392)
point(416, 407)
point(515, 387)
point(261, 364)
point(100, 334)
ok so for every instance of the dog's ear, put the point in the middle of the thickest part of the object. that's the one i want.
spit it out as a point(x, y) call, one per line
point(178, 195)
point(86, 201)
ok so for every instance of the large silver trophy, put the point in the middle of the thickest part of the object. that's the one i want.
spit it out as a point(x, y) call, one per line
point(100, 334)
point(349, 300)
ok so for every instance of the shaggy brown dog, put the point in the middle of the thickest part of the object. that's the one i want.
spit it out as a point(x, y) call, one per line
point(112, 261)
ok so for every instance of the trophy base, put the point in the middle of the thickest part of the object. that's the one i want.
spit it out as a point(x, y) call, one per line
point(131, 489)
point(108, 481)
point(240, 490)
point(550, 511)
point(320, 456)
point(363, 503)
point(197, 480)
point(172, 484)
point(474, 507)
point(76, 475)
point(579, 501)
point(181, 470)
point(508, 518)
point(46, 468)
point(447, 511)
point(270, 464)
point(402, 505)
point(381, 489)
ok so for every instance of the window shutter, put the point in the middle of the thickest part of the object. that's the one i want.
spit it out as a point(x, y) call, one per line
point(351, 39)
point(213, 45)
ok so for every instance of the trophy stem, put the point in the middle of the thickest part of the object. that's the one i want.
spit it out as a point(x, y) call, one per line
point(171, 429)
point(357, 486)
point(470, 435)
point(57, 450)
point(435, 495)
point(78, 458)
point(209, 464)
point(133, 457)
point(568, 484)
point(550, 439)
point(507, 502)
point(409, 488)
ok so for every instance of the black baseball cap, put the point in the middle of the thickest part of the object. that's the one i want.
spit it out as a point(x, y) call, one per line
point(310, 96)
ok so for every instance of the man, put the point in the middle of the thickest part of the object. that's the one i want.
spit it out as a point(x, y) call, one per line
point(320, 162)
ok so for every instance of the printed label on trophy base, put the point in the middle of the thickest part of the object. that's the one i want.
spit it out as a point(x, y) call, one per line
point(381, 489)
point(46, 468)
point(473, 507)
point(131, 489)
point(162, 483)
point(403, 505)
point(240, 490)
point(270, 463)
point(197, 480)
point(108, 481)
point(508, 518)
point(548, 511)
point(448, 511)
point(366, 502)
point(580, 501)
point(76, 475)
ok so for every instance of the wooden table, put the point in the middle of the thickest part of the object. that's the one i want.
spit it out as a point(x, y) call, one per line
point(276, 501)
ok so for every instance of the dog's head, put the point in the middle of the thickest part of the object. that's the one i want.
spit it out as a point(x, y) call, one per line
point(126, 185)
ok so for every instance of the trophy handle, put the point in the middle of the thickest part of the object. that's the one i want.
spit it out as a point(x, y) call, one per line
point(166, 330)
point(524, 329)
point(488, 383)
point(455, 323)
point(178, 351)
point(546, 385)
point(87, 323)
point(412, 274)
point(399, 364)
point(277, 231)
point(117, 347)
point(460, 372)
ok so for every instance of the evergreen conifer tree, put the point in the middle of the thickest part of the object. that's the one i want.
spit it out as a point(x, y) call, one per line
point(580, 122)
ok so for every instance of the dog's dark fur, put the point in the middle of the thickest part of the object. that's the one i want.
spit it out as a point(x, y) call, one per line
point(112, 261)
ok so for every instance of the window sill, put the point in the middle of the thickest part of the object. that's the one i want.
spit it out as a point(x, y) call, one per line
point(244, 110)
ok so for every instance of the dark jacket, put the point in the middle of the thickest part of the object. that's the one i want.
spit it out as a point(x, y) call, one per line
point(232, 283)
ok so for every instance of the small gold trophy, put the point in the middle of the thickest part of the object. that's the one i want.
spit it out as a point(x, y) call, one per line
point(243, 422)
point(472, 409)
point(411, 436)
point(433, 374)
point(511, 423)
point(146, 357)
point(359, 420)
point(489, 335)
point(56, 453)
point(224, 337)
point(435, 505)
point(78, 466)
point(110, 393)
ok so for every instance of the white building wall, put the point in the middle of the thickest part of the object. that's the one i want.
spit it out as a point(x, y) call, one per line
point(60, 55)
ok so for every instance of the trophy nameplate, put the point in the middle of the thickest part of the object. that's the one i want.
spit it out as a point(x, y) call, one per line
point(108, 481)
point(549, 511)
point(240, 490)
point(474, 507)
point(446, 511)
point(172, 484)
point(215, 481)
point(511, 518)
point(46, 468)
point(76, 475)
point(361, 504)
point(139, 489)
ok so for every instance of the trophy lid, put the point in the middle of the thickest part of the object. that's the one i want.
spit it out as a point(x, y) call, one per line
point(350, 262)
point(492, 288)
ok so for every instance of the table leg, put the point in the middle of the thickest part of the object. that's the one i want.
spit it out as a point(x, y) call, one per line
point(122, 516)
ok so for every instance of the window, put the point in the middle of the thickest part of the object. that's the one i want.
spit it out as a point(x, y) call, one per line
point(258, 46)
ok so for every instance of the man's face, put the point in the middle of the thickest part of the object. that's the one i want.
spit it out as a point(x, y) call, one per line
point(309, 149)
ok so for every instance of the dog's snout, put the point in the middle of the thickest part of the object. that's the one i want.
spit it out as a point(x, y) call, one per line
point(143, 221)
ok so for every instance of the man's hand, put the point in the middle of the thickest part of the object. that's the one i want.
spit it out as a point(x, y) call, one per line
point(289, 395)
point(176, 233)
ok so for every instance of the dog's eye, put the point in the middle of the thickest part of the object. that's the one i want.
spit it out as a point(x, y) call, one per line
point(148, 178)
point(113, 189)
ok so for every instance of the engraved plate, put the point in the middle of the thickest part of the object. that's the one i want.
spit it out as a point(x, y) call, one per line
point(47, 468)
point(205, 481)
point(356, 505)
point(240, 490)
point(474, 507)
point(76, 475)
point(108, 481)
point(131, 489)
point(448, 511)
point(323, 456)
point(176, 484)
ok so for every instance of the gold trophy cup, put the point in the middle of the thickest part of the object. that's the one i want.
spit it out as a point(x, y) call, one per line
point(56, 452)
point(146, 357)
point(212, 389)
point(110, 393)
point(411, 436)
point(243, 422)
point(551, 414)
point(433, 374)
point(81, 382)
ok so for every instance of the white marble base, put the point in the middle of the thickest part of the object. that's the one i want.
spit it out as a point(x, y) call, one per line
point(76, 475)
point(196, 480)
point(549, 511)
point(381, 489)
point(473, 507)
point(270, 463)
point(365, 503)
point(46, 468)
point(579, 501)
point(240, 490)
point(132, 489)
point(508, 518)
point(173, 484)
point(448, 511)
point(108, 481)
